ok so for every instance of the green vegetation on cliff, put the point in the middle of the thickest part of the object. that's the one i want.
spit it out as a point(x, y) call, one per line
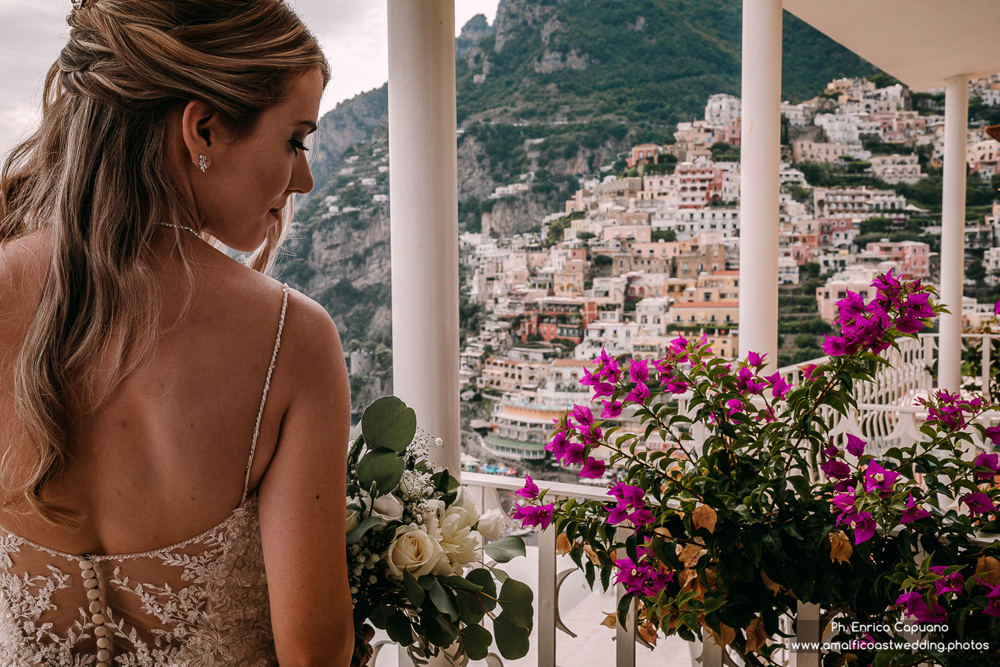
point(638, 60)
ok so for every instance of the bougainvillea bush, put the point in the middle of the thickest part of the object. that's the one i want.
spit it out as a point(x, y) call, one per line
point(771, 510)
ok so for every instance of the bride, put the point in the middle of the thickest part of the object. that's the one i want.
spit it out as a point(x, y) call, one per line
point(172, 422)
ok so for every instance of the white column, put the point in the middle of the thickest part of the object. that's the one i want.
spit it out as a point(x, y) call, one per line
point(760, 162)
point(956, 124)
point(423, 199)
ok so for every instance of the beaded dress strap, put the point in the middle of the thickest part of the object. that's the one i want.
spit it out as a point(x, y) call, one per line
point(267, 386)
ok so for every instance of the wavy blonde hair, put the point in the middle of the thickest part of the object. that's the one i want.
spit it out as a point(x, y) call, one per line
point(94, 174)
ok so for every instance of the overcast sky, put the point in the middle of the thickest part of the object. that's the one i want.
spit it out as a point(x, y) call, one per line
point(352, 32)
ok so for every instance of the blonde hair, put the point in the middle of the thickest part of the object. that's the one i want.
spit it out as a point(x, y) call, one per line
point(93, 173)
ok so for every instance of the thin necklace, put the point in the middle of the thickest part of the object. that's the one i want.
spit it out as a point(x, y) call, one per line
point(193, 231)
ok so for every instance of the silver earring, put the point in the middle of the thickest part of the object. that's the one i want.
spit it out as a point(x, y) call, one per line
point(202, 163)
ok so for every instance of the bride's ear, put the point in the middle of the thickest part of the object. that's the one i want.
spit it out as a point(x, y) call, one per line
point(201, 132)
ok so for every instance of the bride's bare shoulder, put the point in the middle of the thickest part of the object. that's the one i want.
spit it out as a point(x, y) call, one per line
point(308, 331)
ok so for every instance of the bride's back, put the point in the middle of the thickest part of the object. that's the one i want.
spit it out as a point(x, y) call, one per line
point(163, 457)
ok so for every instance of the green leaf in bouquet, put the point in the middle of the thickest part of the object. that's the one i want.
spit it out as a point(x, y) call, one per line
point(354, 536)
point(505, 549)
point(512, 639)
point(470, 609)
point(388, 423)
point(437, 629)
point(499, 574)
point(443, 601)
point(476, 641)
point(380, 616)
point(413, 589)
point(381, 467)
point(515, 600)
point(461, 584)
point(488, 589)
point(398, 628)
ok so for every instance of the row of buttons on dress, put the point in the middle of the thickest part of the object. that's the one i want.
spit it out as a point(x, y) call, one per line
point(97, 613)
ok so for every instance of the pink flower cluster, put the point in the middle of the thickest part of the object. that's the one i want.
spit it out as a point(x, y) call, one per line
point(949, 410)
point(903, 306)
point(644, 577)
point(569, 452)
point(631, 505)
point(917, 607)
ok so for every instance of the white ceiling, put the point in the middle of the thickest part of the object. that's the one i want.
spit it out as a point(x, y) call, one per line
point(920, 42)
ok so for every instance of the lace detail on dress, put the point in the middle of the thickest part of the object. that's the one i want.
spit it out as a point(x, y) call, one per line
point(208, 607)
point(200, 602)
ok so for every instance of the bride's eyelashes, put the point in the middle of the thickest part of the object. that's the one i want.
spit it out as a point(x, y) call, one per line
point(297, 146)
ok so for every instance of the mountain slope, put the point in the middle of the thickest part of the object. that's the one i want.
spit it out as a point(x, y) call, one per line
point(638, 60)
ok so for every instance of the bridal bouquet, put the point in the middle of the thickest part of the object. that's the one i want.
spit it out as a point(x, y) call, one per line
point(414, 549)
point(776, 508)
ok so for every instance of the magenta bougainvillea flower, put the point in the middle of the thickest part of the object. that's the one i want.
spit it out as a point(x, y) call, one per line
point(631, 505)
point(992, 598)
point(592, 469)
point(862, 523)
point(642, 578)
point(879, 479)
point(919, 609)
point(978, 503)
point(638, 370)
point(534, 516)
point(583, 416)
point(639, 394)
point(756, 360)
point(912, 512)
point(809, 370)
point(855, 445)
point(990, 461)
point(530, 490)
point(779, 387)
point(557, 445)
point(836, 468)
point(948, 583)
point(611, 410)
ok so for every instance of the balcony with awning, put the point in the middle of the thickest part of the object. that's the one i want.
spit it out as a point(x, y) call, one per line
point(926, 44)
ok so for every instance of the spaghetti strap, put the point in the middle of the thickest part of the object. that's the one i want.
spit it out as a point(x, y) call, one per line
point(267, 386)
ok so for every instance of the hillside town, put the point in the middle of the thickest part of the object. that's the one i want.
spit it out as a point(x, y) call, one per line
point(650, 251)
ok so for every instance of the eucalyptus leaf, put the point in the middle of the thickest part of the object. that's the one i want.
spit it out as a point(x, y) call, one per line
point(413, 589)
point(354, 536)
point(381, 467)
point(505, 549)
point(476, 641)
point(511, 639)
point(515, 599)
point(389, 424)
point(443, 601)
point(398, 628)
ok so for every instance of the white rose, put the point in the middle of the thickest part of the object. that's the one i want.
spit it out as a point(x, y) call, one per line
point(388, 508)
point(491, 525)
point(465, 500)
point(415, 551)
point(353, 516)
point(457, 540)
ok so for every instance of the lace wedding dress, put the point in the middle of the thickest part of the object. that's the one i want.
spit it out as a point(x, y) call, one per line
point(202, 601)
